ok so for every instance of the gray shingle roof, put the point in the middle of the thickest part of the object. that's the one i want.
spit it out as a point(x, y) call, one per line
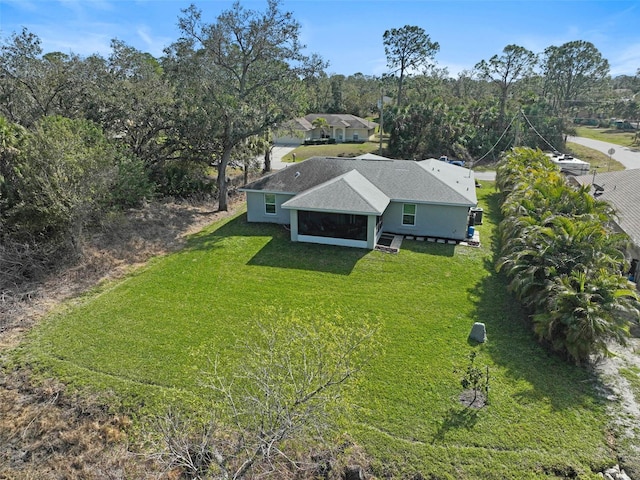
point(348, 193)
point(428, 181)
point(342, 120)
point(622, 190)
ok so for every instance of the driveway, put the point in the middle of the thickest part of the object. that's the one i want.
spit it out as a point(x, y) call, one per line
point(629, 157)
point(278, 152)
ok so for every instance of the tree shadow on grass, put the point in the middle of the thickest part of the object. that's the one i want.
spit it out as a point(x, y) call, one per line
point(279, 251)
point(456, 418)
point(513, 346)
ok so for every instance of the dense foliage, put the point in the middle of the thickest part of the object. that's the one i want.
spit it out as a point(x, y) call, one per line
point(563, 260)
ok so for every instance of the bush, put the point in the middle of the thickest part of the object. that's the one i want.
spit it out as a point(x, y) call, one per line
point(132, 185)
point(63, 177)
point(185, 179)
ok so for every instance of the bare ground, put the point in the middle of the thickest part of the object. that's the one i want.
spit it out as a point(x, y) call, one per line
point(624, 404)
point(45, 432)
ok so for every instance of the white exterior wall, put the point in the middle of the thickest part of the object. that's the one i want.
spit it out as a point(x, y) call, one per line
point(362, 133)
point(431, 221)
point(286, 137)
point(256, 209)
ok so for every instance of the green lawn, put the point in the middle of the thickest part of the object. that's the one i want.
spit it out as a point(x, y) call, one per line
point(336, 150)
point(626, 138)
point(147, 338)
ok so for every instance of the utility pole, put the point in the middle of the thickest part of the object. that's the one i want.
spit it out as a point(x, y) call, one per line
point(381, 119)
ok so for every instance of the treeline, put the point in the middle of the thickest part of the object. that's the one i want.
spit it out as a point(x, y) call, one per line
point(81, 136)
point(564, 262)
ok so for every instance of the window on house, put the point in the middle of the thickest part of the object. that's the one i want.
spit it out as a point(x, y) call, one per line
point(270, 203)
point(356, 136)
point(409, 214)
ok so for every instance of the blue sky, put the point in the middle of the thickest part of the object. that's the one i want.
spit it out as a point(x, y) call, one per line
point(348, 33)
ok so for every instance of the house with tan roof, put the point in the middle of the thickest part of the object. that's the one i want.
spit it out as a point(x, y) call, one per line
point(353, 201)
point(338, 128)
point(622, 191)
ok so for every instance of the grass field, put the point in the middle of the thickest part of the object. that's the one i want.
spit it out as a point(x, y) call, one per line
point(336, 150)
point(146, 339)
point(626, 138)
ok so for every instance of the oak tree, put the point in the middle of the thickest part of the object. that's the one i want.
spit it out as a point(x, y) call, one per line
point(236, 78)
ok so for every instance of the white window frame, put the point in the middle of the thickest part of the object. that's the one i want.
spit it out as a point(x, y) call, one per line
point(405, 214)
point(267, 204)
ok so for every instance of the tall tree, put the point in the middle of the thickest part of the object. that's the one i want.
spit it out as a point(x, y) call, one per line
point(571, 70)
point(515, 63)
point(137, 102)
point(34, 85)
point(407, 49)
point(238, 77)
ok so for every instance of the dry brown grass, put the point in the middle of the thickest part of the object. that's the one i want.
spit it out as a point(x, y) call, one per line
point(45, 432)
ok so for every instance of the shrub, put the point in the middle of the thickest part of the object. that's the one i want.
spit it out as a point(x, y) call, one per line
point(132, 185)
point(185, 179)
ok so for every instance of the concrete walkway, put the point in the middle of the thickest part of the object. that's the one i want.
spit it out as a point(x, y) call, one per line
point(486, 175)
point(629, 157)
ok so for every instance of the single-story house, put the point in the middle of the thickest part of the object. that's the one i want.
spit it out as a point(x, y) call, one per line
point(352, 201)
point(339, 127)
point(622, 191)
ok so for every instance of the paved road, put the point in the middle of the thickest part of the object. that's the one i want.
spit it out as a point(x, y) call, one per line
point(628, 157)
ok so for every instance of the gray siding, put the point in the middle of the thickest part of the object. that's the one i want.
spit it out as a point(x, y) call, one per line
point(431, 220)
point(256, 209)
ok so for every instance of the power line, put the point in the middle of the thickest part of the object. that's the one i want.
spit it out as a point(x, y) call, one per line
point(507, 129)
point(538, 133)
point(501, 136)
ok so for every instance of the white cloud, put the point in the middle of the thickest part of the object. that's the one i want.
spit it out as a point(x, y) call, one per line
point(154, 45)
point(626, 61)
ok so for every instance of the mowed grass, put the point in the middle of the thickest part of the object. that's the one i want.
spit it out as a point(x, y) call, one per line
point(335, 150)
point(626, 138)
point(148, 338)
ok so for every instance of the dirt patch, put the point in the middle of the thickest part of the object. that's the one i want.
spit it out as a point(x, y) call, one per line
point(472, 399)
point(623, 404)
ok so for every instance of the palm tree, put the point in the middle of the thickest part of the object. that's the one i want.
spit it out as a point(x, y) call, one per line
point(322, 124)
point(585, 311)
point(558, 246)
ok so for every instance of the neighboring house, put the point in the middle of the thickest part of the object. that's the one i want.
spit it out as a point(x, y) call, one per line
point(622, 191)
point(352, 201)
point(341, 128)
